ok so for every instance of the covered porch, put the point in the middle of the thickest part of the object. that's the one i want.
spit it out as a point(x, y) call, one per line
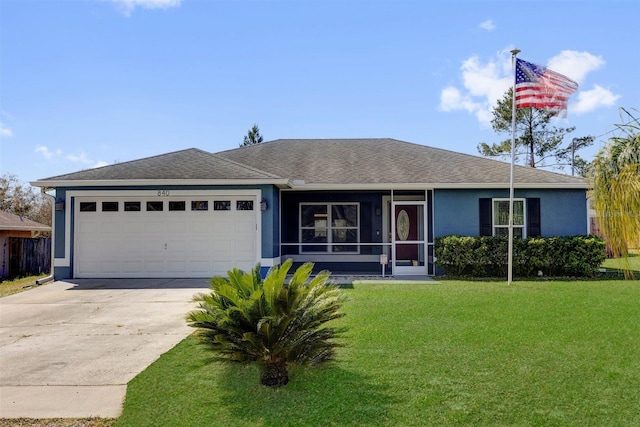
point(360, 232)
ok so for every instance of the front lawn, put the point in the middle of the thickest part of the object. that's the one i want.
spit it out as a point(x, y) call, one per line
point(630, 263)
point(10, 287)
point(449, 353)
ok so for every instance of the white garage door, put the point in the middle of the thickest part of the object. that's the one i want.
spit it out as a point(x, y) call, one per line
point(169, 237)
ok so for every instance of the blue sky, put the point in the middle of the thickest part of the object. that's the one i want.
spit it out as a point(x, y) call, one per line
point(89, 83)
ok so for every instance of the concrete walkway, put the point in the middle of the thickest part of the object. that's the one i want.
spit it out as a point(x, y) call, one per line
point(68, 350)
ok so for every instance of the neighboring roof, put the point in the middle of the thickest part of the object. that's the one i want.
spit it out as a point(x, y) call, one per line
point(9, 221)
point(384, 161)
point(315, 163)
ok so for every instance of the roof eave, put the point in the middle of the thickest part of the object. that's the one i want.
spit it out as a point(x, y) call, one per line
point(23, 228)
point(157, 182)
point(441, 186)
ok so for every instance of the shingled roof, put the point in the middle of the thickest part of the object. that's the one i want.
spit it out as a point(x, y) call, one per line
point(383, 161)
point(186, 164)
point(9, 221)
point(326, 162)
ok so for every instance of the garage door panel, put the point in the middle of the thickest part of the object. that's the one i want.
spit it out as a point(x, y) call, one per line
point(164, 243)
point(130, 267)
point(177, 266)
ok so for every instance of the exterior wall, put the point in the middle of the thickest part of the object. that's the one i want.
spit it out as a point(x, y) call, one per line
point(563, 212)
point(64, 222)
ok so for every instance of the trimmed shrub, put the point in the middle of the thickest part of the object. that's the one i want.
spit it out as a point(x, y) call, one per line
point(568, 256)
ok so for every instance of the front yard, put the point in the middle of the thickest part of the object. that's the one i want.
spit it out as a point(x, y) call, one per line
point(22, 284)
point(449, 353)
point(440, 353)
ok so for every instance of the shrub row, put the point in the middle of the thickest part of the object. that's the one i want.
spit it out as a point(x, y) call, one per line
point(571, 256)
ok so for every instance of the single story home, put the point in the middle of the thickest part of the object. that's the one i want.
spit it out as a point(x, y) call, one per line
point(12, 225)
point(345, 204)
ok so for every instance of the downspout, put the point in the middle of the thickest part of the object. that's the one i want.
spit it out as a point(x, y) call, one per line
point(53, 223)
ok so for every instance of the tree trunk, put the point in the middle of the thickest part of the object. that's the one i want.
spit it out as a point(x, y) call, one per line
point(274, 374)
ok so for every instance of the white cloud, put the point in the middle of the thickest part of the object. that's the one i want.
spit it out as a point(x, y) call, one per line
point(590, 100)
point(100, 164)
point(79, 158)
point(575, 65)
point(46, 152)
point(483, 83)
point(487, 25)
point(127, 6)
point(82, 158)
point(5, 132)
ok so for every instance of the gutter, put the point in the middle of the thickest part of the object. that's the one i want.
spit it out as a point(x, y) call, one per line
point(53, 218)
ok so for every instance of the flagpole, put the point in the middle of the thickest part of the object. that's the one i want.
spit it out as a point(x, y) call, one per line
point(514, 52)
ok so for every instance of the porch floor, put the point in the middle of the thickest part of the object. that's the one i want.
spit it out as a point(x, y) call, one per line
point(346, 279)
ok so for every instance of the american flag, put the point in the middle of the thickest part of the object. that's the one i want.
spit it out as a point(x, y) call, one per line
point(541, 88)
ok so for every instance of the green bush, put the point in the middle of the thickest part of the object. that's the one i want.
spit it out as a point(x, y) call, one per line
point(570, 256)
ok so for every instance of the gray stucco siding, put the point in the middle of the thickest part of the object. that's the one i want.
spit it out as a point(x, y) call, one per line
point(563, 212)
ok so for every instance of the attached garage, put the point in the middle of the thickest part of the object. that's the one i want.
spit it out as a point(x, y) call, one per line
point(167, 234)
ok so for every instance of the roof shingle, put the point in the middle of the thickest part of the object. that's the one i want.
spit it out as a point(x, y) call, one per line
point(9, 221)
point(381, 161)
point(326, 162)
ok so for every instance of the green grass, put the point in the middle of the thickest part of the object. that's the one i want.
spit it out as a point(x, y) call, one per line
point(454, 353)
point(630, 263)
point(10, 287)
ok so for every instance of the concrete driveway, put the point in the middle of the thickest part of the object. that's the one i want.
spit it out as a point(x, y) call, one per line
point(68, 349)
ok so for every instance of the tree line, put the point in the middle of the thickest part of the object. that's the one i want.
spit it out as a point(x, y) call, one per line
point(24, 200)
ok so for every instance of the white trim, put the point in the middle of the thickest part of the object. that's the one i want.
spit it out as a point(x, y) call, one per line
point(159, 194)
point(524, 215)
point(435, 186)
point(287, 184)
point(329, 229)
point(386, 233)
point(336, 257)
point(61, 262)
point(408, 270)
point(155, 193)
point(157, 182)
point(270, 262)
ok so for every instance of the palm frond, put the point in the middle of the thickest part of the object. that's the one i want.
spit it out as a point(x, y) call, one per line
point(246, 318)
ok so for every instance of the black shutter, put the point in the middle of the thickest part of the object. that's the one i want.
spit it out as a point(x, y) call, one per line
point(486, 223)
point(533, 217)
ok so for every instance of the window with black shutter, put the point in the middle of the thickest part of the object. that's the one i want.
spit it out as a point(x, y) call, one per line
point(488, 215)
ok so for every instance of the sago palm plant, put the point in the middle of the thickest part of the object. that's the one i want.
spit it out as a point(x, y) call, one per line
point(270, 321)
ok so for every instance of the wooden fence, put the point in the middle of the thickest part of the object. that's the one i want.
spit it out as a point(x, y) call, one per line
point(29, 256)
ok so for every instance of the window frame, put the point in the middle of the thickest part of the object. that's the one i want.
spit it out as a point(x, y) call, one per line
point(328, 229)
point(522, 226)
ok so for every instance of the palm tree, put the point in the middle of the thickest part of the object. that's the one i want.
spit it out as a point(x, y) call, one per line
point(615, 179)
point(247, 318)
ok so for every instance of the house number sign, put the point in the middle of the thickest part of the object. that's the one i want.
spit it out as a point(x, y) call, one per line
point(163, 193)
